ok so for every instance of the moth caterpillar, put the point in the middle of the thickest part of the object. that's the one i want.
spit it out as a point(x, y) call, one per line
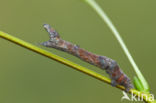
point(110, 66)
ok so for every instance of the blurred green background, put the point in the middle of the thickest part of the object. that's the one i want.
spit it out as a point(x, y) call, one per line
point(26, 77)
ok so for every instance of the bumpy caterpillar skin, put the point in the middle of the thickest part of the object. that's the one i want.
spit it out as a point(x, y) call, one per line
point(103, 62)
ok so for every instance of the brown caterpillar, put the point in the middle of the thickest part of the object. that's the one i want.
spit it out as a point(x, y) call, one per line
point(103, 62)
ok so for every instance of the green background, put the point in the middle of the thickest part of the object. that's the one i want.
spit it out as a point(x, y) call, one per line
point(26, 77)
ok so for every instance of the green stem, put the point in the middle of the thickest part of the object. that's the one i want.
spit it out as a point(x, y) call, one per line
point(63, 61)
point(106, 19)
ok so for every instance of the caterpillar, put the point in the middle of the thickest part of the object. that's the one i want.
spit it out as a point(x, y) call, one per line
point(111, 67)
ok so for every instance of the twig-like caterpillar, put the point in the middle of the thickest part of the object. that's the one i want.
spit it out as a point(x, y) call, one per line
point(103, 62)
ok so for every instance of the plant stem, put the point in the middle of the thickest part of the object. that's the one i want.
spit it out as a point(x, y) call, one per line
point(106, 19)
point(65, 62)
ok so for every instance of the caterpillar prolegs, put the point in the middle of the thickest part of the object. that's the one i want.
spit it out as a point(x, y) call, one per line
point(110, 66)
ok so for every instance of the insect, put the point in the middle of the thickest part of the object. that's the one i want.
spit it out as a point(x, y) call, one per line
point(110, 66)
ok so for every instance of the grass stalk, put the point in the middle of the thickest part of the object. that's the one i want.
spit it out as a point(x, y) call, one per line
point(106, 19)
point(66, 62)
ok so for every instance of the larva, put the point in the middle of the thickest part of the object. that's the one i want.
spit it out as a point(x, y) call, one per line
point(110, 66)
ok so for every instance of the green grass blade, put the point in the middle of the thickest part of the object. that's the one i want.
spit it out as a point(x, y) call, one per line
point(106, 19)
point(138, 84)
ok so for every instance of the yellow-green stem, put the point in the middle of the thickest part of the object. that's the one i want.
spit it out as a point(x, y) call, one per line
point(63, 61)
